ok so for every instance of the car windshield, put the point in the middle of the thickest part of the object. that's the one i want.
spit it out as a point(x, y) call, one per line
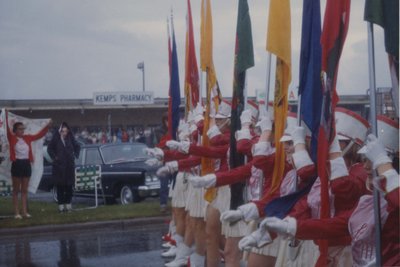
point(123, 153)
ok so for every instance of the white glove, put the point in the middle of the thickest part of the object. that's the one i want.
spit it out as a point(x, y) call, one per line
point(205, 181)
point(298, 134)
point(163, 171)
point(153, 162)
point(335, 147)
point(168, 168)
point(265, 123)
point(173, 145)
point(375, 151)
point(258, 238)
point(243, 134)
point(172, 166)
point(288, 226)
point(246, 118)
point(155, 152)
point(392, 181)
point(231, 216)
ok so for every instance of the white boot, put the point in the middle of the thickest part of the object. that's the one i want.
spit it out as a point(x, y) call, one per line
point(68, 207)
point(171, 252)
point(181, 258)
point(61, 208)
point(196, 260)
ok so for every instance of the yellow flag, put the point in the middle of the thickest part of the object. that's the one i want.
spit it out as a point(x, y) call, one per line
point(213, 93)
point(279, 43)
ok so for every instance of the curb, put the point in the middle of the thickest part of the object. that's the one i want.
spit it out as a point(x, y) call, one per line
point(115, 225)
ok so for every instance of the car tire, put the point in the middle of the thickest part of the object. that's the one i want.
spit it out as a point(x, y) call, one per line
point(126, 195)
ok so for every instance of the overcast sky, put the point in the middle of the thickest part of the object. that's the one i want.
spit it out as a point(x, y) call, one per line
point(64, 49)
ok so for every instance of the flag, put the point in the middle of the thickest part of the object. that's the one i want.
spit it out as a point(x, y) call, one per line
point(244, 59)
point(169, 88)
point(32, 126)
point(175, 95)
point(212, 89)
point(336, 23)
point(386, 14)
point(310, 71)
point(279, 43)
point(191, 70)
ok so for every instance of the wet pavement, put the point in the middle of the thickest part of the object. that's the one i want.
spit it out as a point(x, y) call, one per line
point(134, 246)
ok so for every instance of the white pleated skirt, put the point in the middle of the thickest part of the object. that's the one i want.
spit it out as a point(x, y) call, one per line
point(180, 191)
point(304, 255)
point(195, 202)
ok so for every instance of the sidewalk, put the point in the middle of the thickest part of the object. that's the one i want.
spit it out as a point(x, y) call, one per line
point(116, 225)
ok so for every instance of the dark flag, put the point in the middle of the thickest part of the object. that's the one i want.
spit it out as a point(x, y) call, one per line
point(310, 71)
point(175, 95)
point(386, 14)
point(244, 59)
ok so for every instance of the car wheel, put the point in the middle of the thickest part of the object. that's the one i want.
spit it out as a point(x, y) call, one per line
point(54, 193)
point(126, 195)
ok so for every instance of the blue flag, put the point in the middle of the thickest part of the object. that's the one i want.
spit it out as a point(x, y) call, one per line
point(175, 93)
point(310, 88)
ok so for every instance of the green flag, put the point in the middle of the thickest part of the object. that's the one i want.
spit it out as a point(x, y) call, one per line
point(385, 14)
point(244, 59)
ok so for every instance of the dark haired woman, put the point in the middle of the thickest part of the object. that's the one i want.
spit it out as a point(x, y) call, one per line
point(21, 157)
point(63, 149)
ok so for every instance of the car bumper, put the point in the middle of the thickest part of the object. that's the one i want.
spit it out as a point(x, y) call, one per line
point(149, 190)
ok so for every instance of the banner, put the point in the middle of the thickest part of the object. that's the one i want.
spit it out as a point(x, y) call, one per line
point(32, 126)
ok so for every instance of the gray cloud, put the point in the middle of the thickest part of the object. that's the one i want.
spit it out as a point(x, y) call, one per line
point(72, 48)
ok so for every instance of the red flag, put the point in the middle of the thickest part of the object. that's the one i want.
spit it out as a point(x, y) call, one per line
point(336, 23)
point(191, 70)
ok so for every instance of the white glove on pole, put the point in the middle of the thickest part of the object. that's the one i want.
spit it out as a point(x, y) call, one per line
point(153, 162)
point(163, 171)
point(335, 147)
point(205, 181)
point(246, 118)
point(265, 123)
point(155, 152)
point(298, 134)
point(258, 238)
point(172, 166)
point(173, 145)
point(285, 227)
point(231, 216)
point(375, 152)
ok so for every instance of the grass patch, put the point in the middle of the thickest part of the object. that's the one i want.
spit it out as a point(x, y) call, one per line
point(44, 213)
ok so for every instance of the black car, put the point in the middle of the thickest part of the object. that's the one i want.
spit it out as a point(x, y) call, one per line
point(124, 175)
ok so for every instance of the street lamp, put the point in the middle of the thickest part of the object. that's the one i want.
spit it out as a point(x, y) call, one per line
point(140, 66)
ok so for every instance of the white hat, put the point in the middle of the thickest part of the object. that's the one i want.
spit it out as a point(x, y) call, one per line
point(388, 133)
point(254, 109)
point(291, 122)
point(350, 125)
point(224, 110)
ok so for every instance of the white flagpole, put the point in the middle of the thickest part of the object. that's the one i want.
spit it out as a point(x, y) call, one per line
point(372, 113)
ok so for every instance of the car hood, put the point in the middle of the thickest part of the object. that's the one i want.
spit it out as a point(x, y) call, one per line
point(136, 165)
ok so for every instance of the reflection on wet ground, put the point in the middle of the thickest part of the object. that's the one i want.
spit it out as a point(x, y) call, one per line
point(137, 246)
